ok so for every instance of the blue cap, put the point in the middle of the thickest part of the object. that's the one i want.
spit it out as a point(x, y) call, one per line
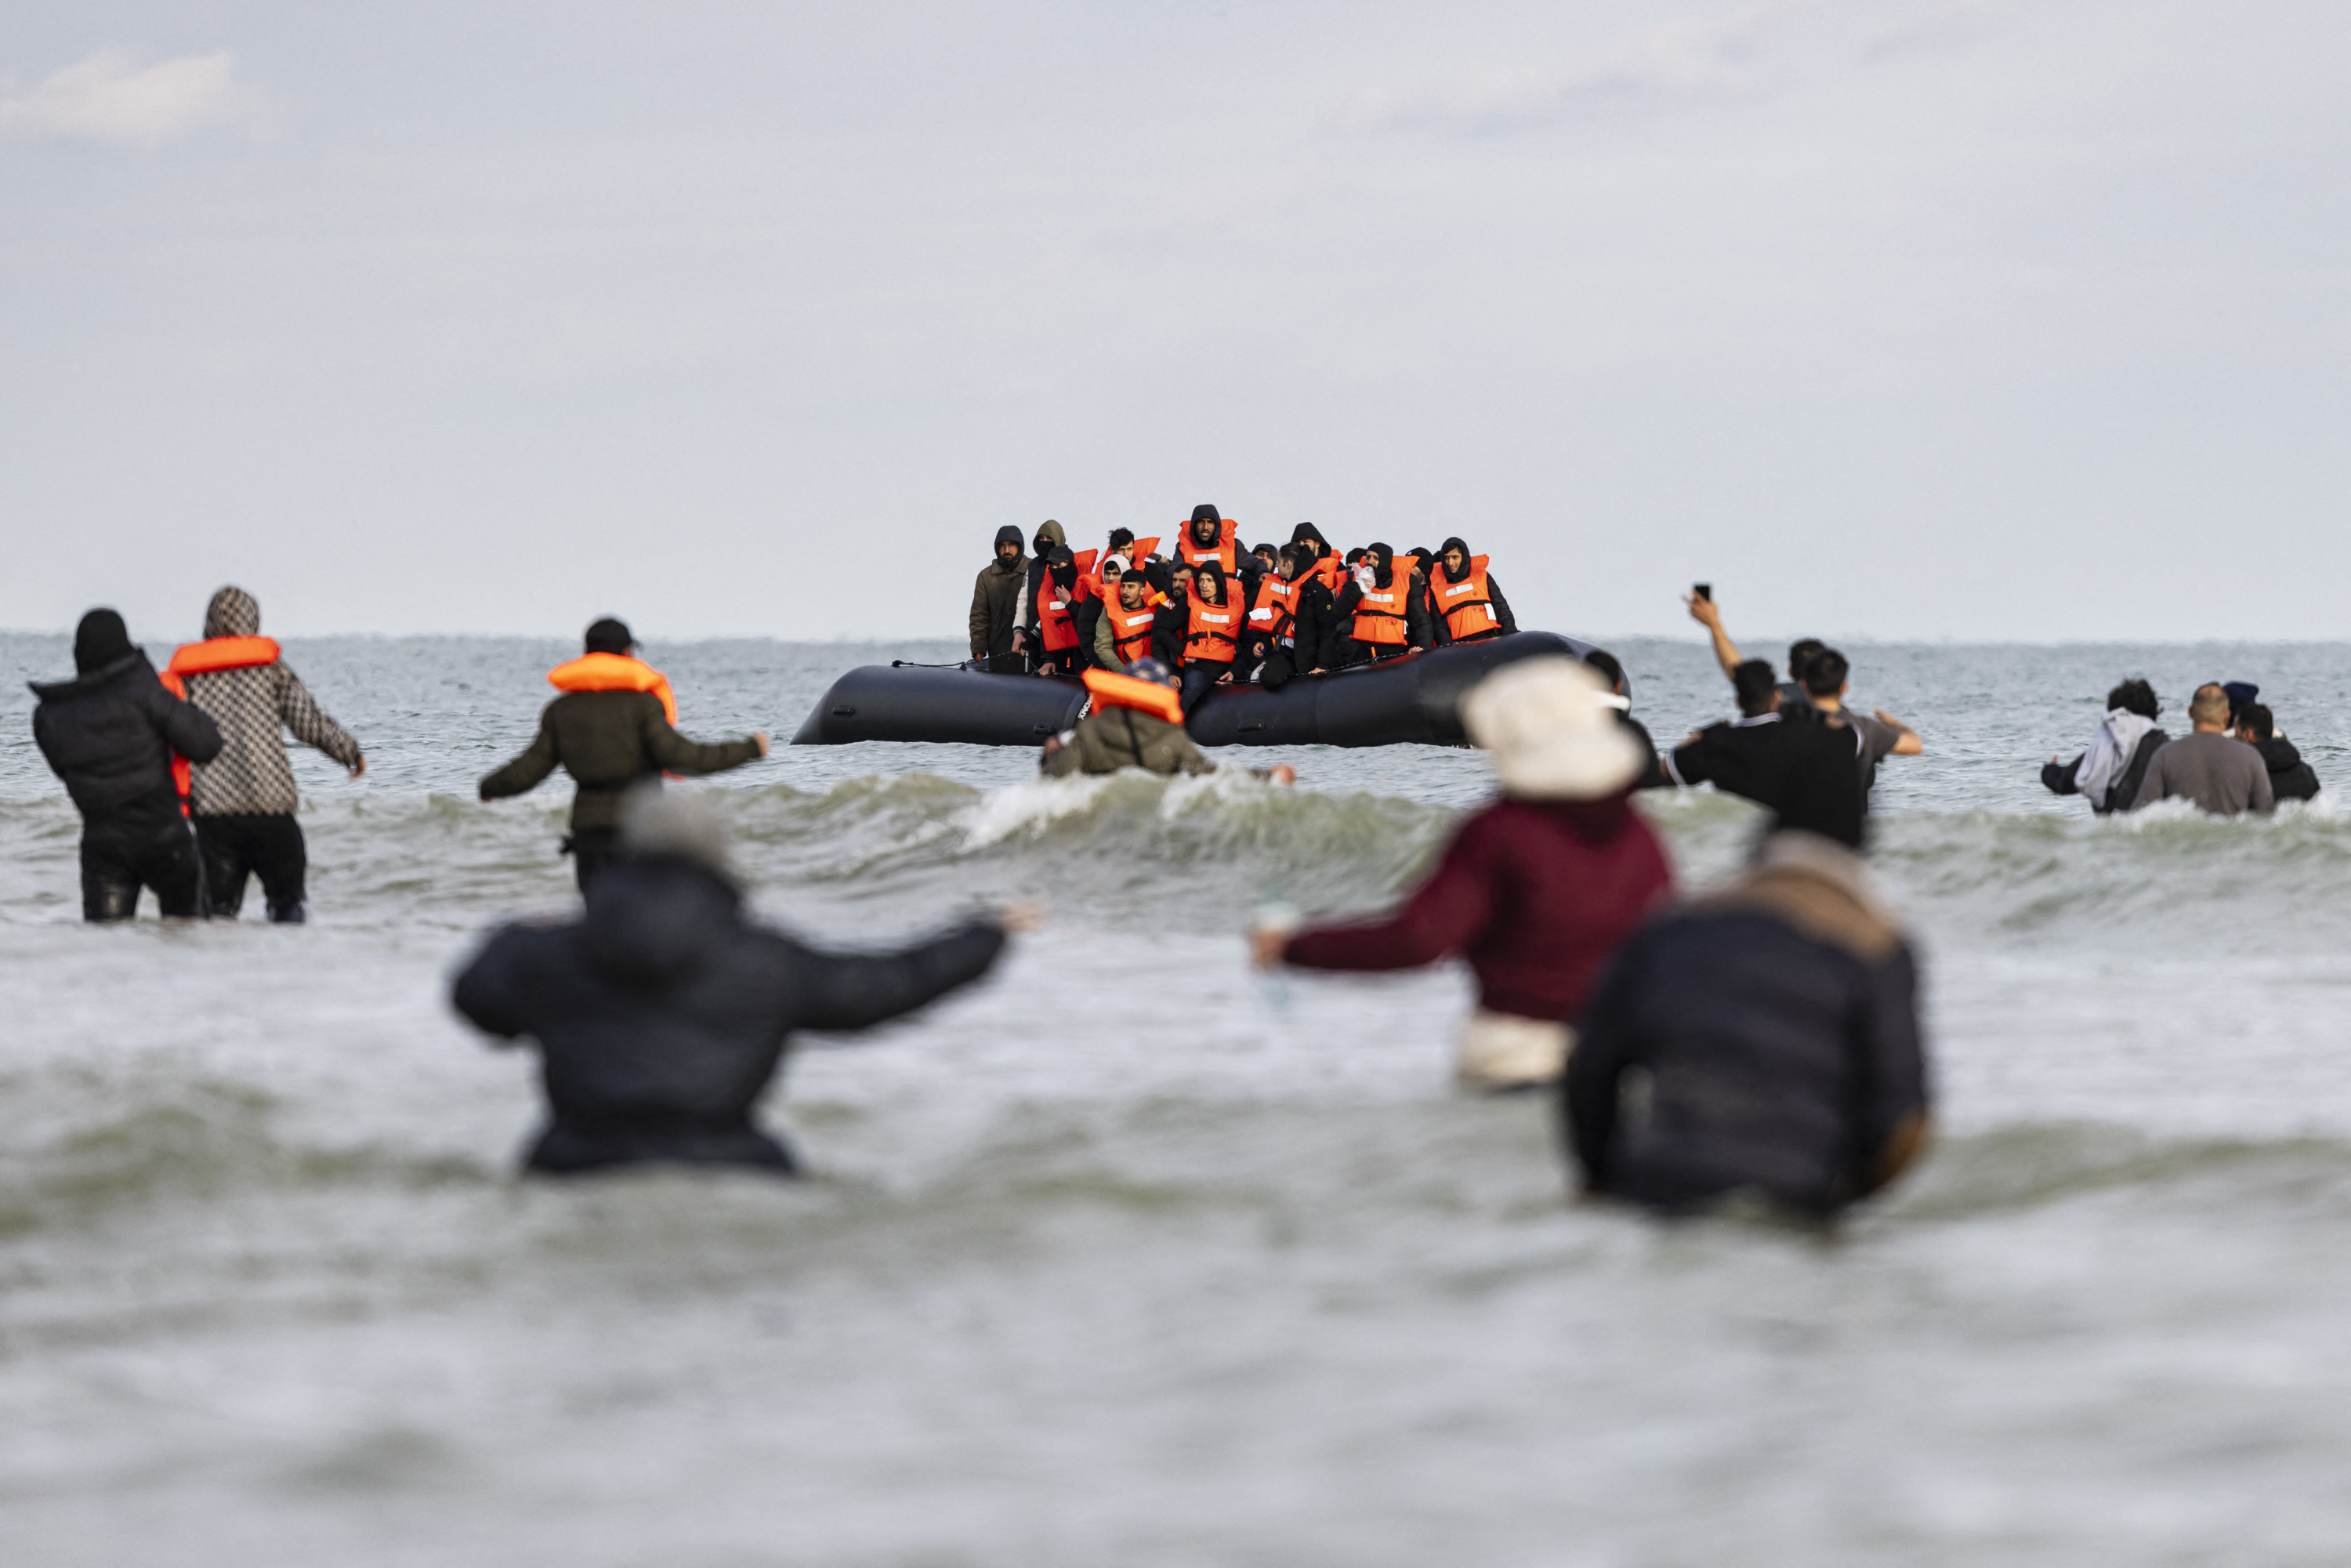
point(2240, 695)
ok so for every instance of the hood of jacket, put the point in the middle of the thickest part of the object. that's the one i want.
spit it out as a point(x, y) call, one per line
point(1454, 542)
point(1050, 537)
point(2279, 756)
point(1383, 559)
point(132, 663)
point(655, 919)
point(233, 612)
point(1009, 535)
point(1308, 534)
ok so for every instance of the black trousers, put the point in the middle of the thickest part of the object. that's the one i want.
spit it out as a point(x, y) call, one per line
point(1280, 668)
point(268, 846)
point(590, 849)
point(119, 855)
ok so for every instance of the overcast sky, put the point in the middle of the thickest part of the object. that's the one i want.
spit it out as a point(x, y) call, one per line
point(1903, 319)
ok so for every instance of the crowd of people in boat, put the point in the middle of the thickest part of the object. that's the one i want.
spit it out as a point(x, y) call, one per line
point(1217, 612)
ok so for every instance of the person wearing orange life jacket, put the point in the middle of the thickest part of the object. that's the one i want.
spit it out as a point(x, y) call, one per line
point(1387, 620)
point(1210, 536)
point(1212, 633)
point(613, 727)
point(1121, 627)
point(1468, 601)
point(1054, 614)
point(117, 734)
point(1324, 563)
point(1136, 720)
point(1300, 624)
point(244, 801)
point(1050, 537)
point(1270, 601)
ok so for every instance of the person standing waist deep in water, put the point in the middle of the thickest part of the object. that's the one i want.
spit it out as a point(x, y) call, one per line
point(614, 726)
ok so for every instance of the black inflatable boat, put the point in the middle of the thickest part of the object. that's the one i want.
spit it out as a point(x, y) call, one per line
point(1396, 702)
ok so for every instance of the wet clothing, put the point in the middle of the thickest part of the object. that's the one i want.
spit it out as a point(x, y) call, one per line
point(128, 850)
point(266, 845)
point(661, 1017)
point(110, 733)
point(1536, 895)
point(1121, 738)
point(1765, 1039)
point(608, 741)
point(2291, 778)
point(995, 604)
point(2122, 789)
point(252, 705)
point(2220, 773)
point(1803, 772)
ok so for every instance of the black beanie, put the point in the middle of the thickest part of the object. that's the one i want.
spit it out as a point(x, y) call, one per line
point(100, 641)
point(609, 635)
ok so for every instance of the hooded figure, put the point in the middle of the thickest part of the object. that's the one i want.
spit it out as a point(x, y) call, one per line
point(662, 1014)
point(1384, 629)
point(995, 604)
point(1050, 537)
point(1536, 891)
point(1762, 1040)
point(1458, 611)
point(118, 737)
point(245, 797)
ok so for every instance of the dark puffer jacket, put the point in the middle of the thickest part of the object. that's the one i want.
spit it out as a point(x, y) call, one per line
point(607, 741)
point(661, 1016)
point(111, 735)
point(2291, 778)
point(1765, 1039)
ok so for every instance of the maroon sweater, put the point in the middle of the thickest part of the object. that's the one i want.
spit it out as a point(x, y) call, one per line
point(1537, 894)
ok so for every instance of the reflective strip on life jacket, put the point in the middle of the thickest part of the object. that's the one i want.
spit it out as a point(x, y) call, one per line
point(214, 654)
point(1466, 606)
point(1276, 611)
point(1130, 630)
point(1111, 691)
point(1380, 617)
point(1214, 633)
point(1055, 627)
point(1225, 552)
point(613, 673)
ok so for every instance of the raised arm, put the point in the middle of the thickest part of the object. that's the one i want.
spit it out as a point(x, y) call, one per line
point(1706, 614)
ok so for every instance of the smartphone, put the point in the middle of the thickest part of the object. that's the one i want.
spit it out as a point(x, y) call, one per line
point(1704, 591)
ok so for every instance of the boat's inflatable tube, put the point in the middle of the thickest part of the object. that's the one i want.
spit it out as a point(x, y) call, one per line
point(1399, 701)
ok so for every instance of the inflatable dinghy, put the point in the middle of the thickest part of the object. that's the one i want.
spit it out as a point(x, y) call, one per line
point(1407, 701)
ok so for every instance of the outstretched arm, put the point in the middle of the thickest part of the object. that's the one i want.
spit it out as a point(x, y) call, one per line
point(1708, 614)
point(524, 772)
point(1447, 913)
point(858, 990)
point(676, 754)
point(309, 723)
point(1907, 742)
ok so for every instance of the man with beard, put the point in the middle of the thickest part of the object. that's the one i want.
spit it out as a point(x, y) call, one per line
point(995, 606)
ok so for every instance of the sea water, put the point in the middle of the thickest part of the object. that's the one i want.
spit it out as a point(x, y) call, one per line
point(1119, 1258)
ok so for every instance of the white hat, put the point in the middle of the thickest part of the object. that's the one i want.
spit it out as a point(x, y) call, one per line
point(1552, 731)
point(681, 822)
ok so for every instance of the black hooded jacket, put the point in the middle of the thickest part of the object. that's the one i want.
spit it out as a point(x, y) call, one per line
point(661, 1016)
point(2291, 778)
point(1443, 578)
point(110, 734)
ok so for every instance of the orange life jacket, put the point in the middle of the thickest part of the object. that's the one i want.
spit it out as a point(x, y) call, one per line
point(1330, 569)
point(1130, 629)
point(1089, 584)
point(1276, 611)
point(1380, 617)
point(1111, 691)
point(1226, 552)
point(614, 673)
point(208, 657)
point(1214, 635)
point(1466, 606)
point(1055, 627)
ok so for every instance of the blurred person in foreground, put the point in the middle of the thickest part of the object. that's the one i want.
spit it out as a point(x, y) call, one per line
point(1611, 671)
point(1762, 1039)
point(663, 1014)
point(1535, 891)
point(244, 799)
point(123, 743)
point(2208, 764)
point(614, 726)
point(2110, 770)
point(2291, 778)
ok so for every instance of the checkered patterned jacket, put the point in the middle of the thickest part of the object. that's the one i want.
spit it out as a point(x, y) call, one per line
point(251, 775)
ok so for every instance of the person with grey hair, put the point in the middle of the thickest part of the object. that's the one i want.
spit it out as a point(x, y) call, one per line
point(2208, 766)
point(663, 1014)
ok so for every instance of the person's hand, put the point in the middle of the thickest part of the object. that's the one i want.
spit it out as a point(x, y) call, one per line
point(761, 740)
point(1021, 917)
point(1283, 773)
point(1886, 718)
point(358, 766)
point(1266, 943)
point(1225, 679)
point(1705, 611)
point(1052, 744)
point(1019, 638)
